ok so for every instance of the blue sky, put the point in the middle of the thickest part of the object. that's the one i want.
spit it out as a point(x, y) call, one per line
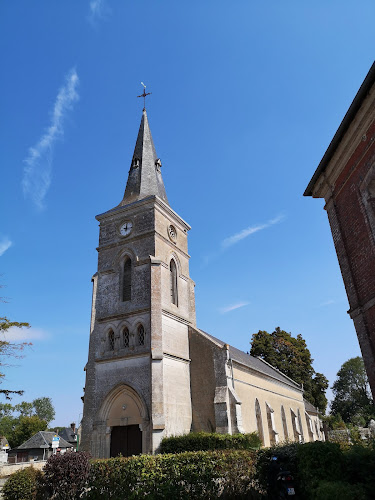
point(246, 97)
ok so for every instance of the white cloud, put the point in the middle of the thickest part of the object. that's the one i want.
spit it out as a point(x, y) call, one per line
point(37, 173)
point(327, 303)
point(5, 243)
point(97, 10)
point(232, 240)
point(224, 310)
point(24, 334)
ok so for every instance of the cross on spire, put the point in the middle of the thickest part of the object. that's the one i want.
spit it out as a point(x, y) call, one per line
point(144, 95)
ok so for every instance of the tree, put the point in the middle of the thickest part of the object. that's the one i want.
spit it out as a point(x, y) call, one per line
point(26, 427)
point(44, 409)
point(10, 349)
point(24, 408)
point(352, 399)
point(291, 356)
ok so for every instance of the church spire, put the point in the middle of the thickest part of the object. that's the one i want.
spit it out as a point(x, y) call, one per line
point(144, 175)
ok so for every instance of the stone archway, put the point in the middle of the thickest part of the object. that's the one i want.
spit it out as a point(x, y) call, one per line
point(124, 416)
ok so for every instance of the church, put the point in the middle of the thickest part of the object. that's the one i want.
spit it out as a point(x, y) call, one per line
point(151, 373)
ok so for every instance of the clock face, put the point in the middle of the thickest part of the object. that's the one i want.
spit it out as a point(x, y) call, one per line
point(126, 228)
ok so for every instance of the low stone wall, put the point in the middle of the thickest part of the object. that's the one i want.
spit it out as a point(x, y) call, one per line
point(8, 469)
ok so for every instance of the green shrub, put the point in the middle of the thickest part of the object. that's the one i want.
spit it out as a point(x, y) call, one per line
point(359, 466)
point(65, 476)
point(22, 485)
point(338, 490)
point(226, 474)
point(287, 459)
point(204, 441)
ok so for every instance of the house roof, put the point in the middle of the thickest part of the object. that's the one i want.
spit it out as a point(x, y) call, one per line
point(254, 363)
point(341, 131)
point(42, 439)
point(68, 435)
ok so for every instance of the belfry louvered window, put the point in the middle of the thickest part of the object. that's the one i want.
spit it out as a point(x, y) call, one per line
point(111, 340)
point(127, 281)
point(173, 277)
point(141, 335)
point(125, 337)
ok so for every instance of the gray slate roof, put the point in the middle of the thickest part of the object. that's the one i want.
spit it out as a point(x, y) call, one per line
point(144, 180)
point(309, 407)
point(68, 435)
point(42, 439)
point(255, 363)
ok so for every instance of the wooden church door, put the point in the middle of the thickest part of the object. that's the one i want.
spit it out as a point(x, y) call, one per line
point(127, 440)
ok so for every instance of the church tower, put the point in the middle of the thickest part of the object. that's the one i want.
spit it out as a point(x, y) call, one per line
point(138, 371)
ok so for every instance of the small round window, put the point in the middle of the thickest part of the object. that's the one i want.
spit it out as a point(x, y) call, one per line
point(172, 232)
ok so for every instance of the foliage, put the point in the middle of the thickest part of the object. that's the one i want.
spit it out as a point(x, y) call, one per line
point(22, 485)
point(44, 409)
point(65, 476)
point(19, 428)
point(25, 428)
point(24, 408)
point(204, 441)
point(352, 395)
point(201, 474)
point(10, 349)
point(334, 422)
point(322, 470)
point(291, 356)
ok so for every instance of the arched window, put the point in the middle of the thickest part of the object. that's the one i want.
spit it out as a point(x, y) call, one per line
point(302, 439)
point(274, 437)
point(127, 280)
point(173, 273)
point(141, 335)
point(111, 340)
point(258, 416)
point(285, 427)
point(296, 431)
point(125, 337)
point(310, 427)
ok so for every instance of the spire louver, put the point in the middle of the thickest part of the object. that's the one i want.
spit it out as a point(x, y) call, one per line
point(144, 175)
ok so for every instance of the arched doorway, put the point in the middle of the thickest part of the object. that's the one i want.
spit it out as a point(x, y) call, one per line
point(125, 417)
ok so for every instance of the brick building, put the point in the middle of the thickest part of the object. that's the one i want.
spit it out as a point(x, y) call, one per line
point(345, 178)
point(151, 372)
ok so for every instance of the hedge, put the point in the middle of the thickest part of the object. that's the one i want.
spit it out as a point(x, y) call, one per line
point(201, 474)
point(320, 468)
point(22, 485)
point(205, 441)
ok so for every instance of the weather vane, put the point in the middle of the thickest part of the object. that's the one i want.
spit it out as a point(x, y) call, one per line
point(144, 95)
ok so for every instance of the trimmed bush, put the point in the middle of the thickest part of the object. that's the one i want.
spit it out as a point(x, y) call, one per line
point(65, 476)
point(209, 475)
point(338, 490)
point(22, 485)
point(205, 441)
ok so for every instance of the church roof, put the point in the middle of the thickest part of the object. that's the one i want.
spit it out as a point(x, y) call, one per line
point(144, 175)
point(254, 363)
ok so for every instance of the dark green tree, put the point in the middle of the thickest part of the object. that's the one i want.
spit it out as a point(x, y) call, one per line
point(291, 356)
point(25, 428)
point(44, 409)
point(353, 399)
point(10, 350)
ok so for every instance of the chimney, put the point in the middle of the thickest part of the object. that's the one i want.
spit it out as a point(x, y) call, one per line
point(73, 426)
